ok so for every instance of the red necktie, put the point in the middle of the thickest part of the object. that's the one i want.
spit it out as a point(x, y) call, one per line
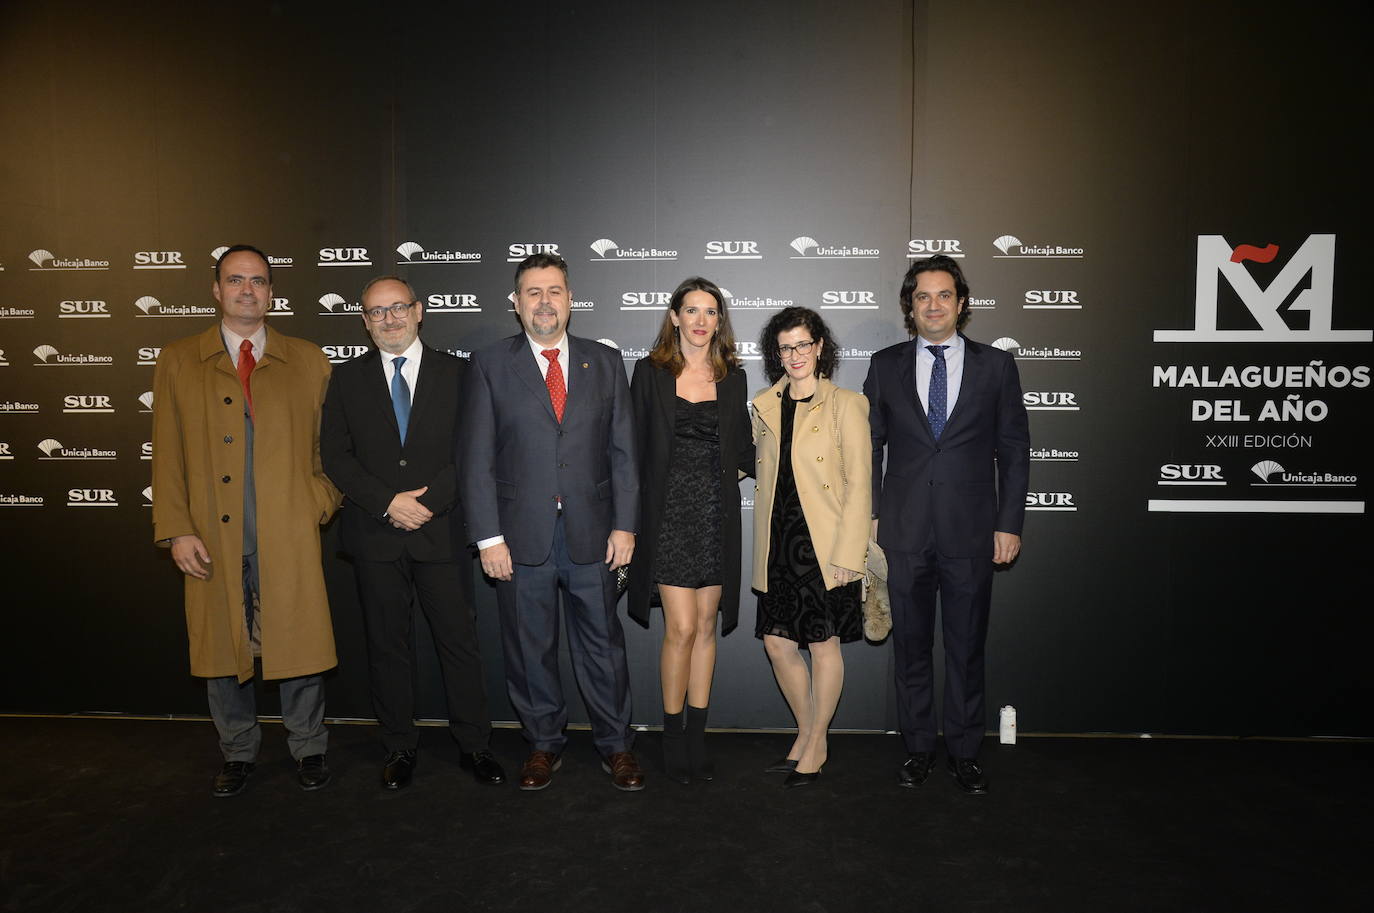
point(558, 391)
point(246, 364)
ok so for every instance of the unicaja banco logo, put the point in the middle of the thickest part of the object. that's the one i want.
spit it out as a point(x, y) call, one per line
point(1265, 469)
point(607, 251)
point(809, 248)
point(1006, 243)
point(49, 447)
point(1315, 257)
point(412, 253)
point(337, 306)
point(47, 260)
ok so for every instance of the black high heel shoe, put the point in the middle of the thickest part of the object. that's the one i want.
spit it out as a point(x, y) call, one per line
point(781, 766)
point(795, 779)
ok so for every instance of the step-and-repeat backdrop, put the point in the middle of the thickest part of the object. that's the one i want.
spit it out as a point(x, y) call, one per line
point(1158, 220)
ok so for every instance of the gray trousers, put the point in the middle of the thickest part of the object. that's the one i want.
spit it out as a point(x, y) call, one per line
point(234, 708)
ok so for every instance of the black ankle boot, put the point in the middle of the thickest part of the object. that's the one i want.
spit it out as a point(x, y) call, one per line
point(675, 748)
point(702, 768)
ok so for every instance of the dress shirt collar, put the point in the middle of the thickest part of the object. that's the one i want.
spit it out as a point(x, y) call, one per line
point(411, 354)
point(233, 341)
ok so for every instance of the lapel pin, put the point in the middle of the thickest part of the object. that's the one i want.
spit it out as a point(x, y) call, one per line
point(585, 365)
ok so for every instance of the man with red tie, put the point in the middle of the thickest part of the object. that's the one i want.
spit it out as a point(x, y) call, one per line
point(238, 496)
point(552, 495)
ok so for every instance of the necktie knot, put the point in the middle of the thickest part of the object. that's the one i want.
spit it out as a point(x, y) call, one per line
point(550, 354)
point(938, 351)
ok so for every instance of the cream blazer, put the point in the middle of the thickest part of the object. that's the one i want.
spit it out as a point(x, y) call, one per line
point(832, 461)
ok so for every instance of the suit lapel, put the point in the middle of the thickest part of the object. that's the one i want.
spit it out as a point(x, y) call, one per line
point(424, 385)
point(968, 383)
point(906, 380)
point(377, 389)
point(581, 383)
point(524, 366)
point(665, 385)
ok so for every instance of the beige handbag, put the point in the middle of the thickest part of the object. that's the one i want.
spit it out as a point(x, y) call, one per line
point(877, 606)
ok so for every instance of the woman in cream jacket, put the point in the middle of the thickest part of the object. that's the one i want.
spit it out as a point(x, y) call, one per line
point(812, 513)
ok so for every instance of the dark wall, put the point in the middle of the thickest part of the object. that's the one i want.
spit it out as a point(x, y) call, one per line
point(1127, 140)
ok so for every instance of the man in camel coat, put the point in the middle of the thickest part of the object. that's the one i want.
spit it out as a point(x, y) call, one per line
point(239, 495)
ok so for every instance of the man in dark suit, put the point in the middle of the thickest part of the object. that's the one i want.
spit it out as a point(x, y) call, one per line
point(947, 412)
point(389, 439)
point(552, 491)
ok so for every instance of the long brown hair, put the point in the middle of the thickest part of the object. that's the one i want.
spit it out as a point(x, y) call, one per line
point(667, 351)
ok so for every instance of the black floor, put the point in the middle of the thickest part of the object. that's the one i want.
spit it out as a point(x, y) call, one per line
point(116, 815)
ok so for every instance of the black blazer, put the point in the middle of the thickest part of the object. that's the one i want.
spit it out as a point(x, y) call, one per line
point(360, 445)
point(518, 458)
point(969, 485)
point(653, 391)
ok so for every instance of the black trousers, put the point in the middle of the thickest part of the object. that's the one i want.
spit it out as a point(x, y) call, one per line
point(964, 590)
point(443, 589)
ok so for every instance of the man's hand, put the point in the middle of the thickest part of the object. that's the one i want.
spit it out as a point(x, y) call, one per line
point(496, 562)
point(1005, 547)
point(619, 548)
point(843, 575)
point(405, 512)
point(191, 556)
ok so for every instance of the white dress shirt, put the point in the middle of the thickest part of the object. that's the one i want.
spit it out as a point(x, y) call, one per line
point(954, 371)
point(232, 342)
point(539, 359)
point(410, 370)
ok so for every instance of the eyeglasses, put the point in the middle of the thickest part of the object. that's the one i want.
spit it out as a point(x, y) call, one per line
point(397, 310)
point(800, 348)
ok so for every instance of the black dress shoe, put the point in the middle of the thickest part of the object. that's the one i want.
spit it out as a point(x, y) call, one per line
point(232, 778)
point(795, 779)
point(397, 769)
point(484, 766)
point(781, 766)
point(916, 769)
point(968, 775)
point(311, 772)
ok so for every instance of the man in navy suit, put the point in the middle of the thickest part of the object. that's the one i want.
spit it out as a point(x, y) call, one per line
point(552, 493)
point(389, 439)
point(947, 412)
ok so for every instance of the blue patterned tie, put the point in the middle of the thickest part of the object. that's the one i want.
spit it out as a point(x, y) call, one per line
point(939, 391)
point(400, 396)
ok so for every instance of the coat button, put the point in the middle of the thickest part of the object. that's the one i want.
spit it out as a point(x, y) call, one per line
point(224, 479)
point(815, 427)
point(403, 462)
point(826, 487)
point(224, 519)
point(228, 439)
point(820, 459)
point(228, 401)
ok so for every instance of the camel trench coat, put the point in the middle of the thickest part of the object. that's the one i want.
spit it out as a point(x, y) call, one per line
point(832, 461)
point(198, 462)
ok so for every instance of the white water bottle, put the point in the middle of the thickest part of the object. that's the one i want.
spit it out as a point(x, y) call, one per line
point(1008, 728)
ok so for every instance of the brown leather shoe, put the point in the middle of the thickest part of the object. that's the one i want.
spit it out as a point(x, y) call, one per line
point(625, 771)
point(538, 770)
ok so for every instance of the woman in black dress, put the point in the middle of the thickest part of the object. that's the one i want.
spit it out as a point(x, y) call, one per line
point(692, 427)
point(811, 522)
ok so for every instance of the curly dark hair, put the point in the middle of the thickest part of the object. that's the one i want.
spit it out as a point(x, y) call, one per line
point(790, 319)
point(937, 263)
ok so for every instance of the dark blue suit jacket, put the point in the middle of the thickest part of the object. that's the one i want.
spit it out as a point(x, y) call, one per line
point(970, 484)
point(518, 459)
